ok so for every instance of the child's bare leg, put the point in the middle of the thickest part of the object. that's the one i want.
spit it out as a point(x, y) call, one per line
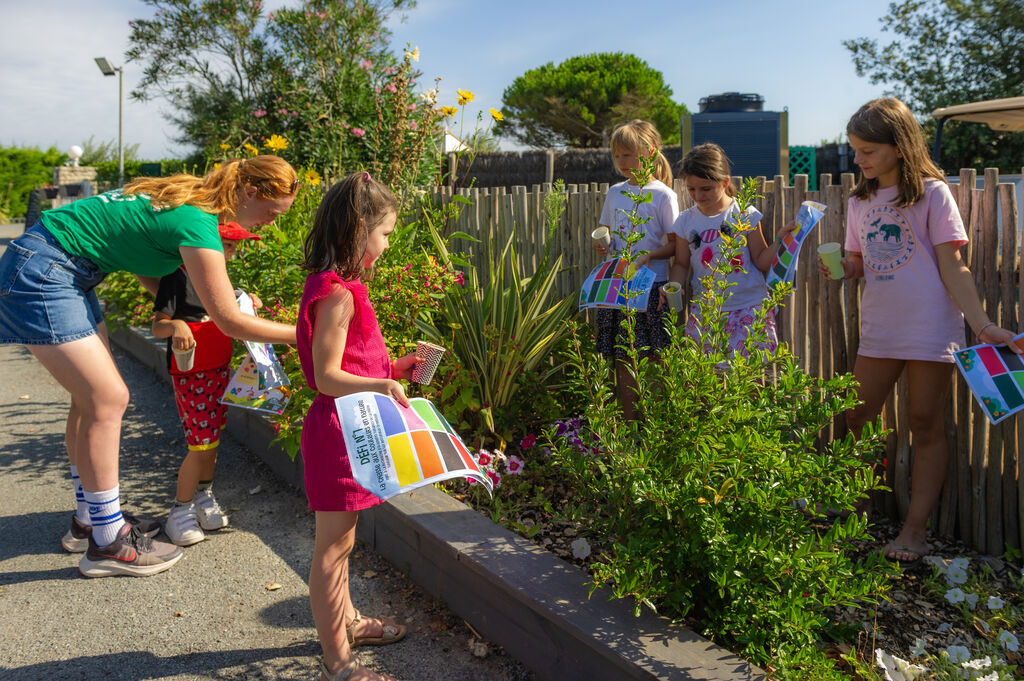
point(626, 389)
point(328, 584)
point(198, 465)
point(876, 377)
point(929, 386)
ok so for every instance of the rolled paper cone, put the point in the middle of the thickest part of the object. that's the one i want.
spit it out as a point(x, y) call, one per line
point(831, 254)
point(424, 370)
point(674, 295)
point(601, 236)
point(185, 359)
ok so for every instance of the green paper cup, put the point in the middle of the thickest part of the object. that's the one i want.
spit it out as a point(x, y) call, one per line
point(832, 255)
point(674, 295)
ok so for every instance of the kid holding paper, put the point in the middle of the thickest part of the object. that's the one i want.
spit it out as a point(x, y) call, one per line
point(903, 235)
point(631, 142)
point(182, 319)
point(698, 247)
point(342, 351)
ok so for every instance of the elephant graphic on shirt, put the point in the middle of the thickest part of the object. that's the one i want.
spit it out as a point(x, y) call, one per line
point(888, 231)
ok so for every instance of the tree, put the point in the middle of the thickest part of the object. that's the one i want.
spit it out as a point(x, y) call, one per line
point(580, 101)
point(315, 74)
point(952, 52)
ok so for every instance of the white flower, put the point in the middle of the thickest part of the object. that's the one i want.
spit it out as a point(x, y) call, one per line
point(980, 663)
point(959, 563)
point(955, 575)
point(944, 627)
point(1008, 641)
point(957, 653)
point(984, 626)
point(995, 602)
point(993, 676)
point(413, 54)
point(897, 669)
point(955, 596)
point(918, 650)
point(580, 548)
point(972, 600)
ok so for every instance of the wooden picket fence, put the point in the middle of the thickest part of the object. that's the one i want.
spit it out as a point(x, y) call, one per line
point(982, 502)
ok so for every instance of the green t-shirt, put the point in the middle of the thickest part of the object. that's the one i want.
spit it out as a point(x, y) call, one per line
point(126, 233)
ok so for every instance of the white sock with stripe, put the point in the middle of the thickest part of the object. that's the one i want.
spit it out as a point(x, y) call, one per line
point(105, 514)
point(82, 508)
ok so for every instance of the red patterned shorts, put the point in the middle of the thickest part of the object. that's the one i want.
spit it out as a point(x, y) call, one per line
point(198, 398)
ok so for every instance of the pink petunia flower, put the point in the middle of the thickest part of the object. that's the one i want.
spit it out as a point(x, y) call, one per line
point(514, 465)
point(483, 457)
point(495, 477)
point(259, 113)
point(528, 441)
point(358, 132)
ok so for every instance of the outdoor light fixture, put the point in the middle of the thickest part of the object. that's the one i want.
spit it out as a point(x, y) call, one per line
point(109, 69)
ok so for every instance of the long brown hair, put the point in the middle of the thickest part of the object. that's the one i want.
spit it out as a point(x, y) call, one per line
point(889, 121)
point(219, 190)
point(642, 138)
point(708, 162)
point(347, 213)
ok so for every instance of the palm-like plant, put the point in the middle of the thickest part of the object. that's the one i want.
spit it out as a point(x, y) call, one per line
point(508, 324)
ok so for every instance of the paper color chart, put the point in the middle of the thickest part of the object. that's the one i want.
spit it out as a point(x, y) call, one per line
point(788, 250)
point(995, 375)
point(783, 267)
point(395, 449)
point(608, 284)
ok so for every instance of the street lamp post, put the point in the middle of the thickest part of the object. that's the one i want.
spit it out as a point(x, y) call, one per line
point(109, 69)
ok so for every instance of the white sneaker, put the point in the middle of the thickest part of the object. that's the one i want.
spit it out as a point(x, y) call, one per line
point(211, 515)
point(182, 526)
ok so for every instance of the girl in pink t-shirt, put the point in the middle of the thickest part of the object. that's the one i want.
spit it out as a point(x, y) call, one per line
point(903, 235)
point(341, 351)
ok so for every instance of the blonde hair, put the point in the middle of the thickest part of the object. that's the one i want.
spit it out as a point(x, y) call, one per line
point(218, 191)
point(708, 162)
point(889, 121)
point(643, 139)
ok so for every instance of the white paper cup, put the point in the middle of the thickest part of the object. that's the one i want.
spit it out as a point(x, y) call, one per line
point(601, 236)
point(424, 370)
point(185, 359)
point(674, 295)
point(832, 255)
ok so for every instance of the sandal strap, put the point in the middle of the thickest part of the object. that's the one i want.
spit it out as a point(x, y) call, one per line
point(350, 630)
point(341, 675)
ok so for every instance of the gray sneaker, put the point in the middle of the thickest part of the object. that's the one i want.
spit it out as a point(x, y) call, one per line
point(132, 554)
point(76, 539)
point(211, 515)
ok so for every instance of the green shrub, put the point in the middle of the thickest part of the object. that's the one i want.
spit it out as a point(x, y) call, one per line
point(698, 504)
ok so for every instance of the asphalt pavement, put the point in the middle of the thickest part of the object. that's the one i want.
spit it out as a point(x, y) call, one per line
point(236, 605)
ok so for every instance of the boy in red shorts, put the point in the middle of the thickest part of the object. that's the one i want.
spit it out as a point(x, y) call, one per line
point(181, 318)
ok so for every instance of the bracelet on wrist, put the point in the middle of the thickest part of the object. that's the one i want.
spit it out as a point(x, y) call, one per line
point(982, 329)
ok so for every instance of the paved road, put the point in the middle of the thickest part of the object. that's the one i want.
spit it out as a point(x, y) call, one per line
point(212, 616)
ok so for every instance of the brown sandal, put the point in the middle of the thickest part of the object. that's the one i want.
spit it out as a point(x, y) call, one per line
point(391, 632)
point(347, 670)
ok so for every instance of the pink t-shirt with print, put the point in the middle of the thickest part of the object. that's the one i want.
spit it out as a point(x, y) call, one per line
point(906, 311)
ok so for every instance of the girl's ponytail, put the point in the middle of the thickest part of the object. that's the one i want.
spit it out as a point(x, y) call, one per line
point(642, 138)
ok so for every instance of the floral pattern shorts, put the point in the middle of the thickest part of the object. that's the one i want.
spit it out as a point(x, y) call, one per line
point(198, 397)
point(737, 325)
point(650, 330)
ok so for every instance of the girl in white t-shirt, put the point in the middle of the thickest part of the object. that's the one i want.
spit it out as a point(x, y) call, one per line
point(630, 142)
point(903, 235)
point(699, 248)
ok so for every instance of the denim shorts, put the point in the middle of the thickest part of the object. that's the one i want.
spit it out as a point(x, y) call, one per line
point(47, 296)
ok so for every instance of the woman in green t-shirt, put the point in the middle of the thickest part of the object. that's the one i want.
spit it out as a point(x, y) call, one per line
point(48, 303)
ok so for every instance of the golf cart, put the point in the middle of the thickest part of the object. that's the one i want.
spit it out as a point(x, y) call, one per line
point(999, 114)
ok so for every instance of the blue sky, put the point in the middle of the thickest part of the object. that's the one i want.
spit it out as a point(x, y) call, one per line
point(792, 55)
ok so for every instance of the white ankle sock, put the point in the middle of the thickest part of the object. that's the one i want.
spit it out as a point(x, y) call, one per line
point(82, 508)
point(105, 514)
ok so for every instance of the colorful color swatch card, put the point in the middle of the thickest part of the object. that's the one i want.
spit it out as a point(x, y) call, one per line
point(270, 370)
point(245, 390)
point(395, 449)
point(783, 267)
point(995, 375)
point(617, 283)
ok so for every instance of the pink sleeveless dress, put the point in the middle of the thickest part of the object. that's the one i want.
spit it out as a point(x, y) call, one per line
point(328, 475)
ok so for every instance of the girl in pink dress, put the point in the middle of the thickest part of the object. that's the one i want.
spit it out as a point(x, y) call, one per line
point(342, 351)
point(903, 236)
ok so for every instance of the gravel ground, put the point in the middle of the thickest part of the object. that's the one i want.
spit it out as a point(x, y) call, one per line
point(236, 605)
